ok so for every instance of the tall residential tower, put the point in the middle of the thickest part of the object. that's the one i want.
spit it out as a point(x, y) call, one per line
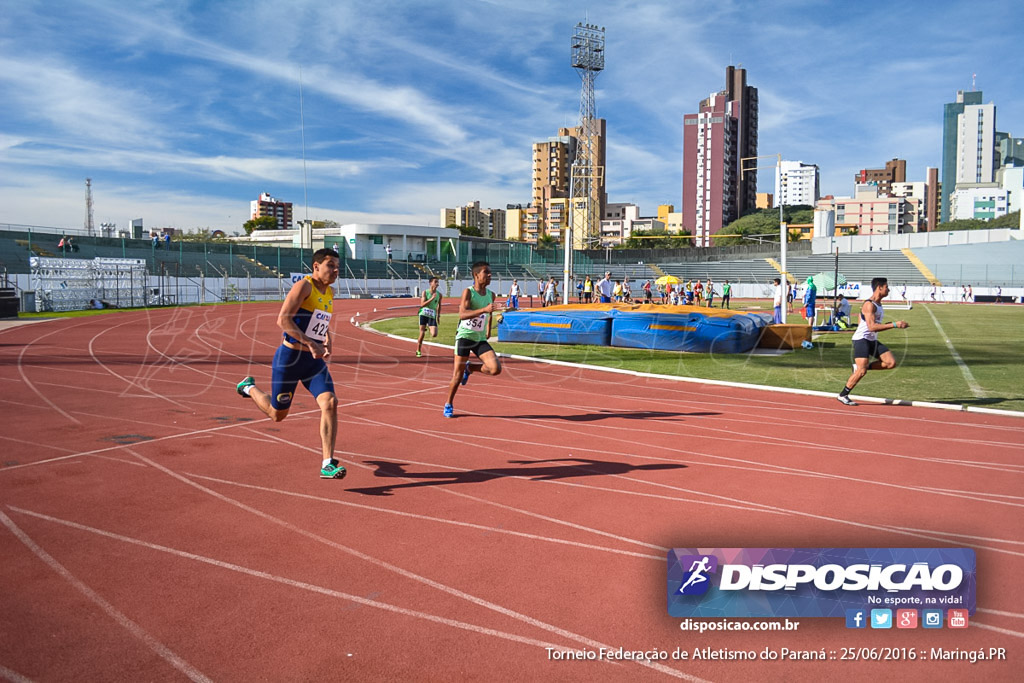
point(724, 131)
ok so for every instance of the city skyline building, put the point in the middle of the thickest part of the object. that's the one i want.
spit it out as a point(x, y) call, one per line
point(275, 208)
point(950, 139)
point(796, 184)
point(552, 166)
point(715, 140)
point(490, 222)
point(895, 171)
point(874, 213)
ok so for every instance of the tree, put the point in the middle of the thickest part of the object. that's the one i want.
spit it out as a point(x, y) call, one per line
point(763, 225)
point(657, 239)
point(261, 223)
point(546, 242)
point(1010, 220)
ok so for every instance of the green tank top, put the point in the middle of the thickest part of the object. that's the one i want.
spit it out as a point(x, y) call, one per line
point(430, 310)
point(475, 329)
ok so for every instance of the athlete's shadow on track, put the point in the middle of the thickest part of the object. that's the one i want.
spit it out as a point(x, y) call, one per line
point(602, 415)
point(586, 468)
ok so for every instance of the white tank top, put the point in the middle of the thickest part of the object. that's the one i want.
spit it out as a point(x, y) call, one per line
point(862, 331)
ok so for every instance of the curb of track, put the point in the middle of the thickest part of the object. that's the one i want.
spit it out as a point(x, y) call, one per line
point(716, 382)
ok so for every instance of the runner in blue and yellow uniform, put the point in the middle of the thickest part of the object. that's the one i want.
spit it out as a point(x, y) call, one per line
point(475, 319)
point(305, 320)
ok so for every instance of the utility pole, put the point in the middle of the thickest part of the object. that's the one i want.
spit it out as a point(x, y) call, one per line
point(784, 232)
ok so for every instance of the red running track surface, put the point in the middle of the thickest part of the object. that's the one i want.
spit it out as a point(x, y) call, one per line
point(156, 527)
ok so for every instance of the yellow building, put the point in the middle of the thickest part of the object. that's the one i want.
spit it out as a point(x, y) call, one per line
point(515, 224)
point(552, 183)
point(765, 200)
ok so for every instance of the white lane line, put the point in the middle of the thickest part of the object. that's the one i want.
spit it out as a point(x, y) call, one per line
point(200, 432)
point(13, 676)
point(32, 386)
point(958, 535)
point(444, 588)
point(1013, 615)
point(974, 496)
point(401, 513)
point(1004, 631)
point(156, 646)
point(500, 506)
point(972, 383)
point(286, 581)
point(767, 508)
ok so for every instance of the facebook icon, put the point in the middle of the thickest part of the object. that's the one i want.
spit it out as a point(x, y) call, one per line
point(856, 618)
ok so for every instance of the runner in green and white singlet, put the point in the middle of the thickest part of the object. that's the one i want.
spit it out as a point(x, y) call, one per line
point(430, 313)
point(475, 324)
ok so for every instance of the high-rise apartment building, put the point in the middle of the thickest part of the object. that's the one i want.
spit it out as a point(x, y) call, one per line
point(490, 222)
point(715, 140)
point(796, 184)
point(268, 206)
point(950, 144)
point(895, 171)
point(552, 180)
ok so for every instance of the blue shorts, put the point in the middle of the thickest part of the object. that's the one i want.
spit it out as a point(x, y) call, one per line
point(291, 367)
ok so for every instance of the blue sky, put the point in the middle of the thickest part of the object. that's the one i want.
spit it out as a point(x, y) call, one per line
point(183, 112)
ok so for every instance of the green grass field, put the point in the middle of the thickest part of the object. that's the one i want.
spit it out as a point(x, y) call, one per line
point(988, 338)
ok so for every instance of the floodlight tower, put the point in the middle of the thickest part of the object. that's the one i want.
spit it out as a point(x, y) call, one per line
point(88, 207)
point(586, 173)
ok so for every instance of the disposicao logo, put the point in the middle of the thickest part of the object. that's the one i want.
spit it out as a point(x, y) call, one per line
point(817, 582)
point(696, 580)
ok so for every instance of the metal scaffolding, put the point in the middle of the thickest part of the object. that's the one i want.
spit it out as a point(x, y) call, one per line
point(63, 284)
point(586, 174)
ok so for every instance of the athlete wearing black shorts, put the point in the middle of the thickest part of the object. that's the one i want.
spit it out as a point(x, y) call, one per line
point(865, 342)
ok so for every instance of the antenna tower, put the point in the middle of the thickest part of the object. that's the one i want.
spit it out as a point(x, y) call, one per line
point(89, 229)
point(585, 202)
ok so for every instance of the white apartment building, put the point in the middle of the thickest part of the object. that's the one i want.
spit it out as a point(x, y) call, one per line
point(617, 223)
point(796, 183)
point(975, 147)
point(984, 203)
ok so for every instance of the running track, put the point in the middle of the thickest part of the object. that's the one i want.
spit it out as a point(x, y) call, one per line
point(152, 527)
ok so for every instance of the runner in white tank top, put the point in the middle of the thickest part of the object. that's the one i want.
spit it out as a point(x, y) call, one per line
point(865, 339)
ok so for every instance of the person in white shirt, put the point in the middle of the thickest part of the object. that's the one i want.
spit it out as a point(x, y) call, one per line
point(605, 288)
point(778, 302)
point(865, 339)
point(513, 295)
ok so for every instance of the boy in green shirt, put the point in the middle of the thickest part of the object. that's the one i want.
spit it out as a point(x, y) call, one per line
point(475, 319)
point(430, 313)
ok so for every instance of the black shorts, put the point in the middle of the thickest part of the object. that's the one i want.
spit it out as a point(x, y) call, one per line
point(463, 347)
point(868, 348)
point(426, 321)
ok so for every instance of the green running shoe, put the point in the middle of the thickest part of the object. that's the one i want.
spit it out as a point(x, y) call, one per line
point(333, 470)
point(247, 382)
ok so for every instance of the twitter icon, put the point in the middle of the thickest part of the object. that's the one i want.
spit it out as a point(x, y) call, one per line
point(881, 618)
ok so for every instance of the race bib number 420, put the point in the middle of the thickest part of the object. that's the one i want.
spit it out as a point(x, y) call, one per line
point(319, 322)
